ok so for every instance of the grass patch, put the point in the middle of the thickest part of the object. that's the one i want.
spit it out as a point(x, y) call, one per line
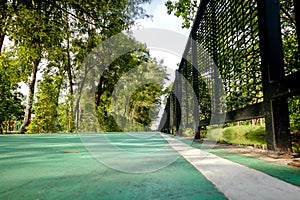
point(188, 132)
point(243, 135)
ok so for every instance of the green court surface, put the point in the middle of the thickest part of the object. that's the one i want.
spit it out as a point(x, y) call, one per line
point(286, 173)
point(58, 166)
point(282, 172)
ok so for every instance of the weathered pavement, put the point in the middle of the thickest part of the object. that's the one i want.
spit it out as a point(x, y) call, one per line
point(234, 180)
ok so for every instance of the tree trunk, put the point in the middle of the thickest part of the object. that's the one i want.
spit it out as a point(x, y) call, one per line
point(71, 92)
point(3, 16)
point(27, 115)
point(127, 102)
point(1, 42)
point(77, 111)
point(99, 91)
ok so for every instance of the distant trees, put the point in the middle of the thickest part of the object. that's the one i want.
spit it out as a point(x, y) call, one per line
point(10, 99)
point(135, 99)
point(54, 38)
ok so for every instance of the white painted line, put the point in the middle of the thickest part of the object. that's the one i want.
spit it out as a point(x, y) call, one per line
point(235, 181)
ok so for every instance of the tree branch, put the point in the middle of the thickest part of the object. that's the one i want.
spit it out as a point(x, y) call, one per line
point(73, 15)
point(288, 16)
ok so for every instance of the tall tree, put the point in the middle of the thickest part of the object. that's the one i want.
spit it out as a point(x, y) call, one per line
point(136, 95)
point(58, 36)
point(38, 27)
point(33, 30)
point(10, 99)
point(45, 108)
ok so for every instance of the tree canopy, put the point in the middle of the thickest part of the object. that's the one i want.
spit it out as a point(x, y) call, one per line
point(53, 39)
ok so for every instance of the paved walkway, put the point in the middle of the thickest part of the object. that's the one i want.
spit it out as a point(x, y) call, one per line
point(63, 166)
point(58, 166)
point(234, 180)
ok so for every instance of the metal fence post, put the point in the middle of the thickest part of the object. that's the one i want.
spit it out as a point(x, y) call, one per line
point(195, 77)
point(272, 66)
point(178, 101)
point(167, 123)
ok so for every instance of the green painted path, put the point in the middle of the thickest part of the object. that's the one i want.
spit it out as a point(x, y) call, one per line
point(96, 166)
point(234, 180)
point(58, 166)
point(286, 173)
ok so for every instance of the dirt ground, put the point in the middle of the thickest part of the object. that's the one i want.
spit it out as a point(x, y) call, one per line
point(251, 151)
point(262, 154)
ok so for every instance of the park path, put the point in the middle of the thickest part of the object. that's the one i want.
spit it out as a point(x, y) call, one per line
point(235, 181)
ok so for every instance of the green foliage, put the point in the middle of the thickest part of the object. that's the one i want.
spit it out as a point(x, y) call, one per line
point(10, 99)
point(294, 109)
point(89, 120)
point(184, 9)
point(45, 108)
point(289, 37)
point(296, 141)
point(106, 120)
point(254, 135)
point(244, 135)
point(142, 101)
point(63, 115)
point(188, 132)
point(291, 56)
point(128, 84)
point(59, 34)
